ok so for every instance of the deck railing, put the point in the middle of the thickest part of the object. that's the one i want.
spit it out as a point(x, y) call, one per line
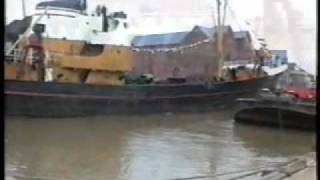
point(19, 55)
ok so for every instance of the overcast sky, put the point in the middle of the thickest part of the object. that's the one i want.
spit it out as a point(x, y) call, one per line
point(294, 18)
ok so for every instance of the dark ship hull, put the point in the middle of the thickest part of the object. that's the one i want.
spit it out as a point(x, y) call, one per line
point(50, 99)
point(278, 114)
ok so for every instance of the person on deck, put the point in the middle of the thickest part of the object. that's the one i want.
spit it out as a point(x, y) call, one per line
point(98, 10)
point(105, 23)
point(35, 47)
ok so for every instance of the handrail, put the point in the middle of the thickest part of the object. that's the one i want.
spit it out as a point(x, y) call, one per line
point(25, 33)
point(18, 54)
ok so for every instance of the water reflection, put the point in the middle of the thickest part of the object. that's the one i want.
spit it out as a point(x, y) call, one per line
point(274, 141)
point(155, 147)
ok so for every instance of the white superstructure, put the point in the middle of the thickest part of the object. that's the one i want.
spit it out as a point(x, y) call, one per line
point(70, 24)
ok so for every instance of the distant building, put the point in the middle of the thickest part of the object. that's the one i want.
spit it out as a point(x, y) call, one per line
point(159, 40)
point(243, 51)
point(167, 40)
point(194, 64)
point(197, 63)
point(237, 47)
point(228, 40)
point(279, 57)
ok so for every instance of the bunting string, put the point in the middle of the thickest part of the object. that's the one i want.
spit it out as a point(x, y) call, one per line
point(172, 49)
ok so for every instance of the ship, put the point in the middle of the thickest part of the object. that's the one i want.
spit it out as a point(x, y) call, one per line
point(280, 111)
point(291, 105)
point(64, 62)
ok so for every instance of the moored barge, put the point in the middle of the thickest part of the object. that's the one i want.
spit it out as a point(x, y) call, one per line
point(54, 72)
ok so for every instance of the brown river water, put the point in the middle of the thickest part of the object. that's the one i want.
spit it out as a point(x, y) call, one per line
point(150, 147)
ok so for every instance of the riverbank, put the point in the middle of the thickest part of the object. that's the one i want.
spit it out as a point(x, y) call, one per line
point(309, 173)
point(306, 174)
point(302, 168)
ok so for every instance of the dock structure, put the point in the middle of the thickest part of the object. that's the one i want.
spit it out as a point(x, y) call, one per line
point(278, 116)
point(298, 169)
point(291, 104)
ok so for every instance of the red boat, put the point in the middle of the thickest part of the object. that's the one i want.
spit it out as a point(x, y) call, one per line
point(301, 86)
point(302, 93)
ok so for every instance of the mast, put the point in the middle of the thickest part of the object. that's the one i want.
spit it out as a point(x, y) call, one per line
point(83, 5)
point(221, 21)
point(23, 8)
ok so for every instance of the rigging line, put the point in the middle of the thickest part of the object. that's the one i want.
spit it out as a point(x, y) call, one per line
point(214, 18)
point(235, 19)
point(224, 12)
point(233, 14)
point(214, 21)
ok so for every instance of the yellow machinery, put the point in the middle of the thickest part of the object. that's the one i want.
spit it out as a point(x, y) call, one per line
point(70, 64)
